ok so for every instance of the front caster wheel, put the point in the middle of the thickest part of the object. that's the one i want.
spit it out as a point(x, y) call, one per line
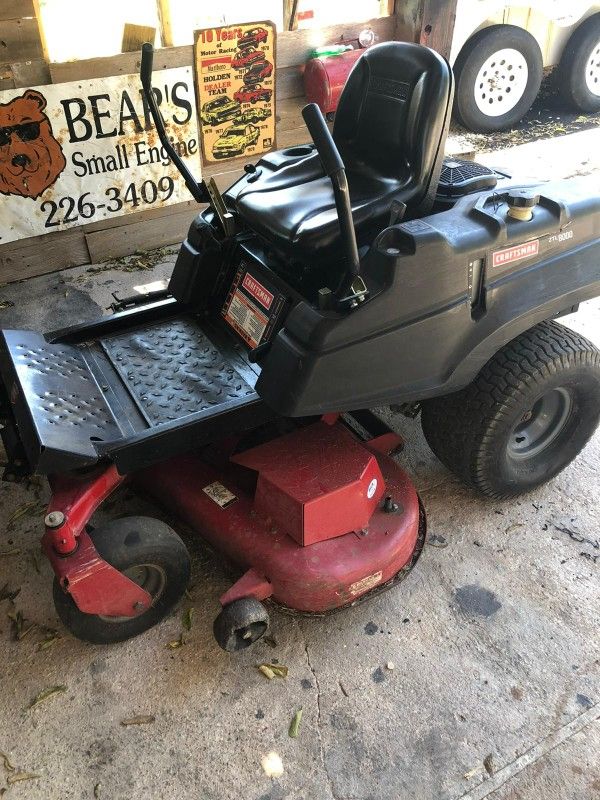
point(240, 624)
point(149, 553)
point(528, 413)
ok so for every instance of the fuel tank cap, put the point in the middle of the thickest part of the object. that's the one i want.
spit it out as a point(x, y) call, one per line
point(521, 203)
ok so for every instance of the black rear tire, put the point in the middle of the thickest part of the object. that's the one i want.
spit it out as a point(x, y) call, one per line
point(548, 373)
point(154, 556)
point(474, 54)
point(574, 67)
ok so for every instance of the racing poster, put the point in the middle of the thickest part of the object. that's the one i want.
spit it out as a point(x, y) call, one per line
point(235, 78)
point(85, 151)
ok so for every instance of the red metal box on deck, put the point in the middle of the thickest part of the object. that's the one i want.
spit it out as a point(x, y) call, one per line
point(315, 483)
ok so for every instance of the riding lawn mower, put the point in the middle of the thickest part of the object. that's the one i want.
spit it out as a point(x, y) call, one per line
point(360, 270)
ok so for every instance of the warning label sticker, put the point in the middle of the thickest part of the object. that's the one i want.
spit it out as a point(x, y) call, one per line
point(219, 494)
point(246, 319)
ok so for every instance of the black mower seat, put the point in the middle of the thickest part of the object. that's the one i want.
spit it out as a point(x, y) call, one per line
point(390, 129)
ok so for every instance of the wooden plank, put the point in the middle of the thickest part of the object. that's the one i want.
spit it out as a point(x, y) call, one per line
point(134, 37)
point(42, 254)
point(122, 64)
point(145, 235)
point(15, 9)
point(142, 216)
point(288, 82)
point(437, 25)
point(294, 47)
point(30, 73)
point(20, 40)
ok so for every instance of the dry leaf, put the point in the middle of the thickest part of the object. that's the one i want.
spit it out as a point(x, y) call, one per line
point(141, 719)
point(7, 765)
point(46, 694)
point(50, 640)
point(17, 777)
point(97, 790)
point(176, 643)
point(14, 552)
point(273, 670)
point(8, 594)
point(187, 619)
point(28, 508)
point(295, 724)
point(266, 671)
point(471, 773)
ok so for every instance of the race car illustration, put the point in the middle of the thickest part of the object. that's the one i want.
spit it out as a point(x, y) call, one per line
point(258, 72)
point(252, 115)
point(219, 110)
point(245, 58)
point(252, 38)
point(252, 94)
point(234, 140)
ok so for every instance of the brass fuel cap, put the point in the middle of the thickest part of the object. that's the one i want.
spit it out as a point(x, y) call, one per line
point(521, 203)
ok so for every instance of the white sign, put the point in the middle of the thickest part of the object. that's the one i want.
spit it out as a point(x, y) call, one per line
point(80, 152)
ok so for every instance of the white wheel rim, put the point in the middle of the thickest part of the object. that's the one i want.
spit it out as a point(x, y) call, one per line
point(592, 71)
point(501, 82)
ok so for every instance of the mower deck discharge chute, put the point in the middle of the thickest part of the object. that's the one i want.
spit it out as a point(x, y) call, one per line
point(358, 270)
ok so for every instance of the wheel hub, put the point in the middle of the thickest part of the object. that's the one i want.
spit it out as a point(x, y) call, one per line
point(501, 82)
point(540, 425)
point(592, 71)
point(150, 577)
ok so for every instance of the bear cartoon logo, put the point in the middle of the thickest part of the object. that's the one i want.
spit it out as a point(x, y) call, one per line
point(31, 159)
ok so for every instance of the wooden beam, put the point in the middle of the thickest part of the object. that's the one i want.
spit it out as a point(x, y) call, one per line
point(16, 9)
point(20, 40)
point(437, 25)
point(164, 20)
point(39, 255)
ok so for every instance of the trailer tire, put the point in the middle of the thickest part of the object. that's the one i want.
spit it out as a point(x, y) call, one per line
point(498, 68)
point(528, 413)
point(579, 68)
point(152, 555)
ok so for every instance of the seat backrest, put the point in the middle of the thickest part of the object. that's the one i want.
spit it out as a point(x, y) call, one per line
point(393, 117)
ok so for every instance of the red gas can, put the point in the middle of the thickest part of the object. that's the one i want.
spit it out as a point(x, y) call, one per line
point(324, 78)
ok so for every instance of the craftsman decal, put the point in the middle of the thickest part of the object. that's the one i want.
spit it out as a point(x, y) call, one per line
point(516, 253)
point(235, 79)
point(80, 152)
point(257, 290)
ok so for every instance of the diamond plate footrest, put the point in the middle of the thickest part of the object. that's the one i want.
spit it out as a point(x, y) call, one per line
point(56, 401)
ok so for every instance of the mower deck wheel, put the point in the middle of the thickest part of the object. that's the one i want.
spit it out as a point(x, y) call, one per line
point(152, 555)
point(240, 624)
point(528, 413)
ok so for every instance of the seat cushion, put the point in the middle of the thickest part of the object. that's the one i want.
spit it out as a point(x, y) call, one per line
point(295, 207)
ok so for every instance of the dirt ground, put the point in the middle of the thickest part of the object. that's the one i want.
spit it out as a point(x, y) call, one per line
point(477, 678)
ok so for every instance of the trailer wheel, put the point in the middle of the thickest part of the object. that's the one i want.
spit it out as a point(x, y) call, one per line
point(151, 554)
point(528, 413)
point(498, 75)
point(579, 68)
point(240, 624)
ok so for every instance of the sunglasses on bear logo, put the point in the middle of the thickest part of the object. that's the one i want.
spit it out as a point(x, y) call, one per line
point(26, 132)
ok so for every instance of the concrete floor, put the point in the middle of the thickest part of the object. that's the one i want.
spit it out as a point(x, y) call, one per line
point(493, 637)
